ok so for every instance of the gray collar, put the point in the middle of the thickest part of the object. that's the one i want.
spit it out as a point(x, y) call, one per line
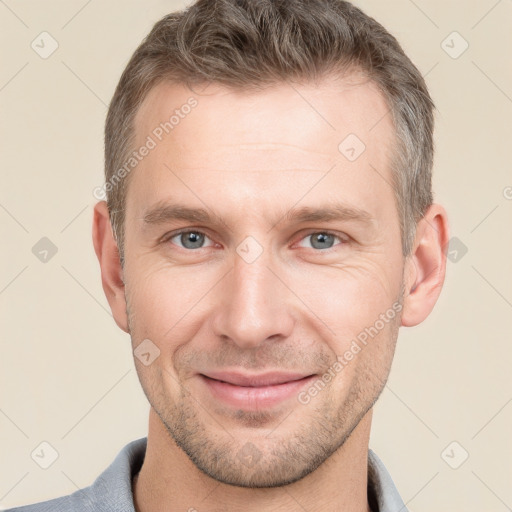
point(381, 487)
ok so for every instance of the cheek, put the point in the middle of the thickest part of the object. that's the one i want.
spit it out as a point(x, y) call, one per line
point(166, 303)
point(363, 366)
point(348, 298)
point(359, 303)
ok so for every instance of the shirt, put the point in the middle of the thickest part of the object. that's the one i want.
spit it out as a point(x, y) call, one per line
point(112, 490)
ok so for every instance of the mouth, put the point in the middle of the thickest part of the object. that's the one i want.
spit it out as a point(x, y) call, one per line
point(253, 392)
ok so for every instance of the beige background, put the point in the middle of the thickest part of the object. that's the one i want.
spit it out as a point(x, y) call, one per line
point(66, 370)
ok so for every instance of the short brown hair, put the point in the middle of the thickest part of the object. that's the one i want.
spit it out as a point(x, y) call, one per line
point(251, 43)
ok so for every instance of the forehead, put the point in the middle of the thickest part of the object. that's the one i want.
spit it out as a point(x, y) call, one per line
point(255, 140)
point(333, 108)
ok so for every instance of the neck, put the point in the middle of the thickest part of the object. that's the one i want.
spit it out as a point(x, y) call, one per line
point(169, 480)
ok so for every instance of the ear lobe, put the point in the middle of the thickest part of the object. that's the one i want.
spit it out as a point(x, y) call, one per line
point(426, 266)
point(107, 252)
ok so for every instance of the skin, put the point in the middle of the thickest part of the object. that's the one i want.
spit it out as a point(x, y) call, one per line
point(250, 157)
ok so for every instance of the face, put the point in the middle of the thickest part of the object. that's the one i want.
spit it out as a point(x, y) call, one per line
point(263, 263)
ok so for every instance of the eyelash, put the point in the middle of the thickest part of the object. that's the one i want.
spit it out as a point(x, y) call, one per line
point(174, 234)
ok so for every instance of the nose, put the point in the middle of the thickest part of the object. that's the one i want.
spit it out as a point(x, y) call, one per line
point(253, 304)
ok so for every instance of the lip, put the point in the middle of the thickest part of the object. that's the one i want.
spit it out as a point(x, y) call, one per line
point(252, 392)
point(263, 379)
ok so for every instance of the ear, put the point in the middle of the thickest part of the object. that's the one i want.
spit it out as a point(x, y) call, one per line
point(107, 252)
point(425, 267)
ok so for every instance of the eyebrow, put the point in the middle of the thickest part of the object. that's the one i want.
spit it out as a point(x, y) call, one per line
point(335, 212)
point(163, 213)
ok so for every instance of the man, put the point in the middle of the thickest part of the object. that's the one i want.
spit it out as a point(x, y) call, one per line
point(269, 226)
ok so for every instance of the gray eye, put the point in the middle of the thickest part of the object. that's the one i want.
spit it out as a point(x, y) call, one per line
point(191, 239)
point(322, 240)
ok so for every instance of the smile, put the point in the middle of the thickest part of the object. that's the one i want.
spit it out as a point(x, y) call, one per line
point(254, 392)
